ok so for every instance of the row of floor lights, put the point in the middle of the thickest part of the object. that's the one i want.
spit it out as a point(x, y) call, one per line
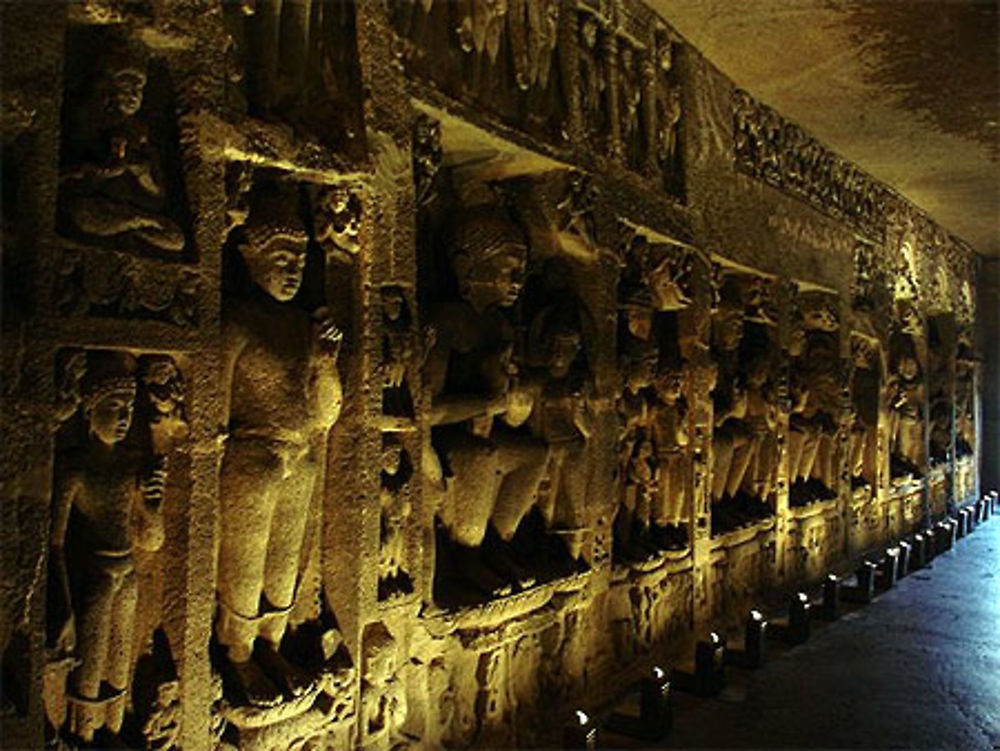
point(707, 678)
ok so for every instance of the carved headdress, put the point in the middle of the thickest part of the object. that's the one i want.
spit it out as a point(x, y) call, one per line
point(272, 216)
point(108, 373)
point(482, 232)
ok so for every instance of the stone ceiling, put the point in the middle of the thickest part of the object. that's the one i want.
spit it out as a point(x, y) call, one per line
point(907, 89)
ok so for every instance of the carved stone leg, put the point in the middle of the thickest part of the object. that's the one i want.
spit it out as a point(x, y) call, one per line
point(120, 646)
point(236, 631)
point(93, 618)
point(251, 470)
point(523, 462)
point(809, 453)
point(742, 454)
point(287, 531)
point(102, 217)
point(476, 480)
point(796, 444)
point(723, 458)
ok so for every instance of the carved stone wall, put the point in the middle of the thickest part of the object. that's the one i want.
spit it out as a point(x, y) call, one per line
point(406, 375)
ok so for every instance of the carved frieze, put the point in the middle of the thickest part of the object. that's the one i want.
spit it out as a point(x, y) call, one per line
point(501, 54)
point(770, 148)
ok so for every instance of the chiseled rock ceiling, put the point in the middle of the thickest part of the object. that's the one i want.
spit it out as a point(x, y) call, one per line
point(910, 91)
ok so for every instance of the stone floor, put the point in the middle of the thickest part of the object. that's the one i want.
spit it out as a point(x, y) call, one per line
point(918, 668)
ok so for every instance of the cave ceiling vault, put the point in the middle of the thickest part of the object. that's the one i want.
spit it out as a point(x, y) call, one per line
point(909, 91)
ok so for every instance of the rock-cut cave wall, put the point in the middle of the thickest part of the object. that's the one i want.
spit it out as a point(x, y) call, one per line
point(404, 375)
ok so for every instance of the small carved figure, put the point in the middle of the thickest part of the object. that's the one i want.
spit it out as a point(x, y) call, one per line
point(864, 414)
point(592, 76)
point(282, 395)
point(532, 27)
point(629, 102)
point(338, 222)
point(745, 449)
point(383, 693)
point(399, 352)
point(395, 510)
point(671, 439)
point(114, 500)
point(427, 156)
point(560, 382)
point(162, 728)
point(116, 191)
point(906, 409)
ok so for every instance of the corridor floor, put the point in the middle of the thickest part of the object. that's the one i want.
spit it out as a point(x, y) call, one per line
point(918, 668)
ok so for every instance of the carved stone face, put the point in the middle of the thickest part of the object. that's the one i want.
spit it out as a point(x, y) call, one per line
point(125, 91)
point(640, 322)
point(728, 327)
point(909, 369)
point(392, 304)
point(797, 340)
point(565, 347)
point(392, 458)
point(277, 268)
point(820, 318)
point(495, 279)
point(641, 373)
point(669, 386)
point(111, 417)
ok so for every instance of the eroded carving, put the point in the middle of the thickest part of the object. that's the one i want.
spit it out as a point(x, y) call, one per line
point(113, 189)
point(282, 395)
point(745, 450)
point(107, 501)
point(814, 391)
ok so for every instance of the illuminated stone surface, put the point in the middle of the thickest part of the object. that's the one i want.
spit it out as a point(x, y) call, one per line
point(413, 374)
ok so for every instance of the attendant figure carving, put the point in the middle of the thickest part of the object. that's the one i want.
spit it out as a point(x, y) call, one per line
point(107, 501)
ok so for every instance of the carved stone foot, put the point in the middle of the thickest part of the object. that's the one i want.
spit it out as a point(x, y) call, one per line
point(253, 684)
point(86, 717)
point(292, 680)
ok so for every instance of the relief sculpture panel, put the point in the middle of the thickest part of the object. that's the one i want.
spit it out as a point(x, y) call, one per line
point(277, 645)
point(402, 375)
point(121, 416)
point(746, 409)
point(122, 209)
point(508, 381)
point(814, 393)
